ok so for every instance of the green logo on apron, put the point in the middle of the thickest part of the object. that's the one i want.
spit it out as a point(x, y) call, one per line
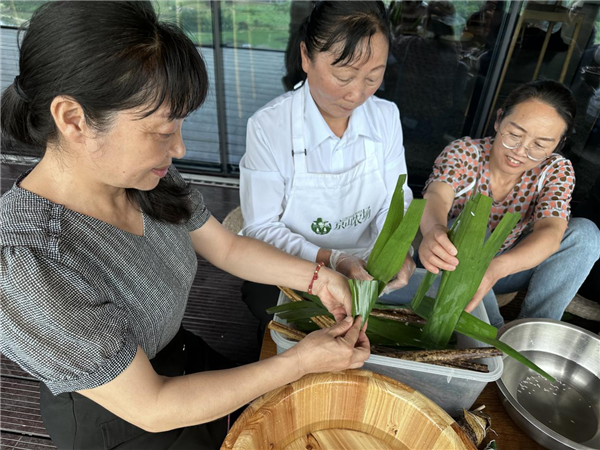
point(354, 220)
point(320, 227)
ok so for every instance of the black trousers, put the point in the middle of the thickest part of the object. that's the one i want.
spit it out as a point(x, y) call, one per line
point(260, 297)
point(75, 422)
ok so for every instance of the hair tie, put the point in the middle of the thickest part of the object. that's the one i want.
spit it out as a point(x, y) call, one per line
point(19, 91)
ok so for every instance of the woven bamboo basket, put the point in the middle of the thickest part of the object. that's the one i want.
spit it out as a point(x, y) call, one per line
point(355, 409)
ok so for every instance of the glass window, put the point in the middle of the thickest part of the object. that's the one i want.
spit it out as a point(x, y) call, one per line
point(254, 36)
point(561, 41)
point(438, 64)
point(255, 24)
point(15, 13)
point(200, 131)
point(444, 63)
point(193, 16)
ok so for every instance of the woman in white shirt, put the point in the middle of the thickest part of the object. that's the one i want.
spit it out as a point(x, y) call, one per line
point(322, 161)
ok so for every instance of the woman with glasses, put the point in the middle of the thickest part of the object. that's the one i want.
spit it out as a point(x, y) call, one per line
point(521, 168)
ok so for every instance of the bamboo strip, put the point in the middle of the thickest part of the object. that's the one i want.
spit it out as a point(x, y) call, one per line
point(289, 293)
point(439, 355)
point(320, 321)
point(288, 332)
point(398, 316)
point(462, 364)
point(323, 321)
point(297, 335)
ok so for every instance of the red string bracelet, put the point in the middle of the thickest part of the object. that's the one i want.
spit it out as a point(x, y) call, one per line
point(315, 276)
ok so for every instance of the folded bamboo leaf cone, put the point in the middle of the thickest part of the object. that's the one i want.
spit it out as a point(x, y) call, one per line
point(475, 424)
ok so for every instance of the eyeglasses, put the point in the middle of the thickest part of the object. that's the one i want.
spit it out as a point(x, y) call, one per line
point(535, 153)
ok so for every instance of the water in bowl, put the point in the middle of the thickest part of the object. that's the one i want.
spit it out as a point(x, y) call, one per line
point(570, 406)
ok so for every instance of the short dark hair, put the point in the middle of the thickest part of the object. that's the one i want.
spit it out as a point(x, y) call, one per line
point(331, 23)
point(552, 93)
point(109, 56)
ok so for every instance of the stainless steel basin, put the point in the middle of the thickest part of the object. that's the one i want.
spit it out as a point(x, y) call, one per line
point(560, 415)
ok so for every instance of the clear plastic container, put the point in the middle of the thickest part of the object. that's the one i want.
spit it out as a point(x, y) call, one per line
point(452, 389)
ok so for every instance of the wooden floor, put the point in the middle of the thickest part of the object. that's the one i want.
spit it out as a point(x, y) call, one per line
point(215, 311)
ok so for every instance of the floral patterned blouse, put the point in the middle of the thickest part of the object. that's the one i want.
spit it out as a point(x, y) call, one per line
point(544, 191)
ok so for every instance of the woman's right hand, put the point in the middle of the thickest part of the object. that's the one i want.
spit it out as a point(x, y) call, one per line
point(436, 251)
point(342, 346)
point(348, 265)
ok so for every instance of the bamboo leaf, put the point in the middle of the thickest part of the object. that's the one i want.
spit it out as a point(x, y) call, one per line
point(290, 306)
point(312, 298)
point(385, 265)
point(292, 316)
point(510, 352)
point(364, 296)
point(472, 327)
point(497, 238)
point(467, 323)
point(376, 339)
point(306, 325)
point(425, 285)
point(393, 218)
point(458, 287)
point(392, 307)
point(400, 335)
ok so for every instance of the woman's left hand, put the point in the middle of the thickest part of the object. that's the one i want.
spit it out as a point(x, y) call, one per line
point(401, 279)
point(334, 291)
point(493, 273)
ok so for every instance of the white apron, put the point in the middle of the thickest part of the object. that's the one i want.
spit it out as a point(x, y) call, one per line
point(333, 211)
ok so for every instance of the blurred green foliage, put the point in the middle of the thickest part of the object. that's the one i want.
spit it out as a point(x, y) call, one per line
point(258, 24)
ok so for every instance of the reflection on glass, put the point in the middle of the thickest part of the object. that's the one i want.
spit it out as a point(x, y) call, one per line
point(255, 24)
point(15, 13)
point(200, 130)
point(561, 41)
point(251, 30)
point(437, 69)
point(438, 62)
point(193, 16)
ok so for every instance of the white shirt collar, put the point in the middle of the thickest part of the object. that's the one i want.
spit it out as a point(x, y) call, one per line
point(317, 130)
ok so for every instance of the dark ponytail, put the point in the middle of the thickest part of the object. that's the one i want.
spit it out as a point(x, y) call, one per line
point(15, 127)
point(331, 23)
point(293, 59)
point(109, 57)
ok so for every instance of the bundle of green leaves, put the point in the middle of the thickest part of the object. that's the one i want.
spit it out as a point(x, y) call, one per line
point(445, 314)
point(390, 250)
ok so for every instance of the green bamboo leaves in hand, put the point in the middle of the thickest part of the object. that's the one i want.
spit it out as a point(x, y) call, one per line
point(396, 236)
point(457, 287)
point(389, 251)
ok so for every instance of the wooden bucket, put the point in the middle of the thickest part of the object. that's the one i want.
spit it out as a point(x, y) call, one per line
point(355, 409)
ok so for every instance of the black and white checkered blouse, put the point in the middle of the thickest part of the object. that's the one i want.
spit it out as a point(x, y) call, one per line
point(79, 295)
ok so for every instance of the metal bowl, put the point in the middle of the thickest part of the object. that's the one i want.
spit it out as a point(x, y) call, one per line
point(560, 415)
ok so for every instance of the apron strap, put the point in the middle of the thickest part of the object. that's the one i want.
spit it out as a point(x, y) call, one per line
point(299, 161)
point(298, 146)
